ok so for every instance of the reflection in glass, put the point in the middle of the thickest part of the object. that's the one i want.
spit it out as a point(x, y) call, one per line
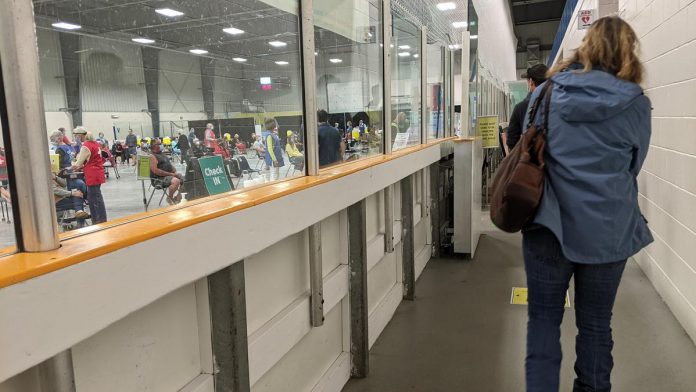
point(406, 87)
point(349, 74)
point(435, 106)
point(8, 239)
point(159, 105)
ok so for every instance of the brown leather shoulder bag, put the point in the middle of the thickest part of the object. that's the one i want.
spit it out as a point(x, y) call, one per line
point(519, 181)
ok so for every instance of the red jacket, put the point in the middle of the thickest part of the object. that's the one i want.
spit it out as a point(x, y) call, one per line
point(94, 167)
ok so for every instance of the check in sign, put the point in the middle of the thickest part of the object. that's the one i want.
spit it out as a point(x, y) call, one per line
point(215, 175)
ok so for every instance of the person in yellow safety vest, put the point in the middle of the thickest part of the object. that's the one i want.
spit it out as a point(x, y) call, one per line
point(355, 133)
point(228, 137)
point(140, 140)
point(167, 141)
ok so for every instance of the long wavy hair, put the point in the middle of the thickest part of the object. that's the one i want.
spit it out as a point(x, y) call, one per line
point(611, 44)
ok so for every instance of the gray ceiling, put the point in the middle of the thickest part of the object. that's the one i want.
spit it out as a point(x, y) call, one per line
point(536, 19)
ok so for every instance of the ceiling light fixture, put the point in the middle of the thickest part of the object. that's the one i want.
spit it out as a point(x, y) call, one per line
point(473, 37)
point(198, 51)
point(449, 6)
point(240, 59)
point(336, 61)
point(233, 31)
point(169, 12)
point(141, 40)
point(404, 54)
point(459, 25)
point(404, 47)
point(282, 62)
point(277, 44)
point(416, 55)
point(66, 26)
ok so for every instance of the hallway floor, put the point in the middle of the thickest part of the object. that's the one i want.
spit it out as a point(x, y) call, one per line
point(462, 334)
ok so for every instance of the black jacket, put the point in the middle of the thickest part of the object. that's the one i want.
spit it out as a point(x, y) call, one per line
point(519, 115)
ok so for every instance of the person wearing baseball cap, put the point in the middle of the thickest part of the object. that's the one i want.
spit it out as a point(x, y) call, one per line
point(535, 76)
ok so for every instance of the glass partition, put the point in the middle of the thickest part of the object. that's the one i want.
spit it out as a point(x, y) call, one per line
point(154, 103)
point(349, 76)
point(435, 106)
point(8, 239)
point(405, 84)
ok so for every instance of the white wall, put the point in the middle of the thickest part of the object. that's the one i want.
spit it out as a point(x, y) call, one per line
point(497, 43)
point(667, 185)
point(148, 327)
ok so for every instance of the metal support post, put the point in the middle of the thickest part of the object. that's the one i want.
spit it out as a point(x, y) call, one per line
point(446, 97)
point(30, 182)
point(316, 277)
point(151, 70)
point(357, 251)
point(386, 67)
point(408, 254)
point(227, 299)
point(425, 120)
point(56, 374)
point(435, 222)
point(72, 68)
point(389, 219)
point(309, 84)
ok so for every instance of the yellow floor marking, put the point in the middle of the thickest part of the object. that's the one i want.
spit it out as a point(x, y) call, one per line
point(519, 297)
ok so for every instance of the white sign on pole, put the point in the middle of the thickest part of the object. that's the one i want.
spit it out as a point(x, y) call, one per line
point(401, 141)
point(586, 18)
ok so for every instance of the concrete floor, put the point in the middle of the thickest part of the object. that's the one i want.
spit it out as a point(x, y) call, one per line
point(124, 196)
point(462, 334)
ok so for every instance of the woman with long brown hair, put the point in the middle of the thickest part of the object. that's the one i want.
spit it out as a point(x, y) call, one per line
point(589, 222)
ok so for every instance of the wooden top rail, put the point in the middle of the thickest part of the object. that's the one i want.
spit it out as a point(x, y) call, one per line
point(93, 241)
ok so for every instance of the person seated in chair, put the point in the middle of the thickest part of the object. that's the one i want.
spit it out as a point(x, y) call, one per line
point(69, 199)
point(294, 154)
point(163, 173)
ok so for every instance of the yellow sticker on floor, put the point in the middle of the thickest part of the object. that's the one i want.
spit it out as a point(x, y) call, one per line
point(519, 297)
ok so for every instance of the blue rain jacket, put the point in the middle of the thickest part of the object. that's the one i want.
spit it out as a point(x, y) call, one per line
point(598, 138)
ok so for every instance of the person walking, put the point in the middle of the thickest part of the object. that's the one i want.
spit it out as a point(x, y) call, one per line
point(535, 76)
point(331, 147)
point(274, 153)
point(183, 145)
point(589, 222)
point(131, 147)
point(92, 163)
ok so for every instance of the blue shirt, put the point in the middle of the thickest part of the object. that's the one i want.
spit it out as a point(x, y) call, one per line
point(598, 138)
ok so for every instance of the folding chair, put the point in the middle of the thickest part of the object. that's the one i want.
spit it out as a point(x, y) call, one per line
point(261, 160)
point(245, 168)
point(156, 186)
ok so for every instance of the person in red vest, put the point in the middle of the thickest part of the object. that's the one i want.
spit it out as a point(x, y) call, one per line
point(92, 163)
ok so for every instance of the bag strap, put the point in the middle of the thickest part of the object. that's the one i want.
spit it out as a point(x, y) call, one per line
point(545, 93)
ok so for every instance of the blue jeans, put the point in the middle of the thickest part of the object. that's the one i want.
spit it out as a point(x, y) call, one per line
point(548, 277)
point(97, 208)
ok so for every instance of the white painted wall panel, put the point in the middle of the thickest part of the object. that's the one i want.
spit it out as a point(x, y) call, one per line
point(304, 365)
point(497, 41)
point(275, 278)
point(380, 280)
point(154, 349)
point(333, 246)
point(112, 77)
point(180, 86)
point(51, 68)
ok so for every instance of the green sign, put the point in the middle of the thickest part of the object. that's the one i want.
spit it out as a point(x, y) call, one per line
point(215, 175)
point(143, 167)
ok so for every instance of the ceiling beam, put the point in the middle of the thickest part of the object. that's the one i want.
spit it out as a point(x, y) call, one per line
point(528, 2)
